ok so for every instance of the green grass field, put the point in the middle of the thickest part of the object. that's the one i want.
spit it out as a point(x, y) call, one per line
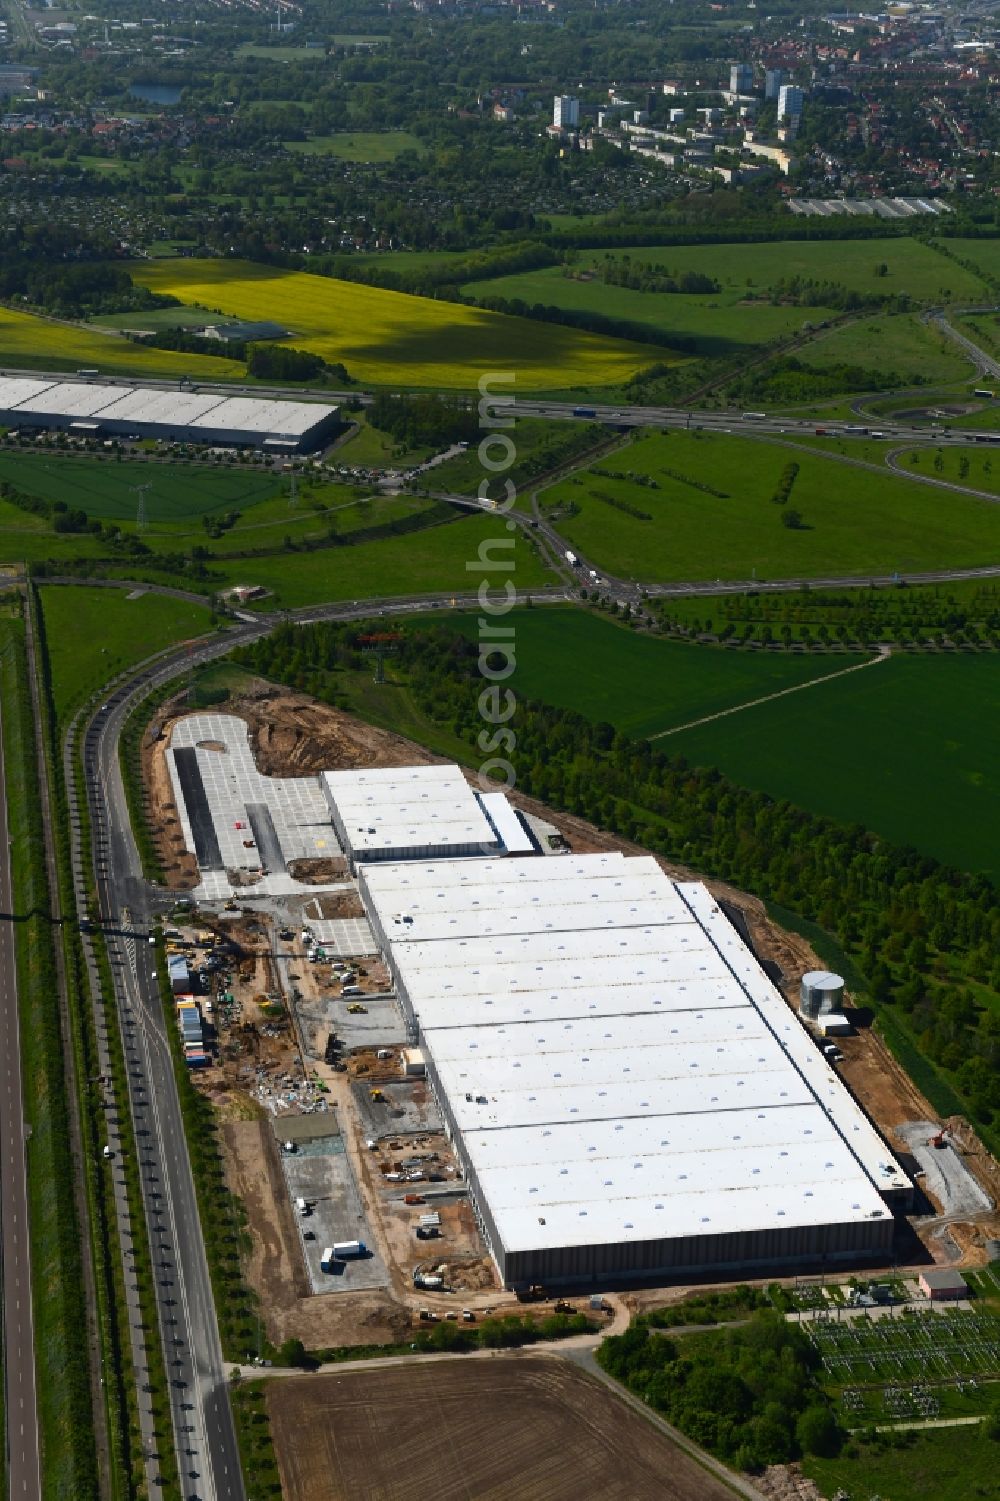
point(92, 634)
point(39, 344)
point(734, 318)
point(410, 260)
point(420, 563)
point(719, 325)
point(914, 268)
point(640, 684)
point(985, 254)
point(909, 748)
point(974, 467)
point(944, 1464)
point(919, 610)
point(358, 145)
point(425, 562)
point(25, 538)
point(104, 488)
point(855, 521)
point(154, 318)
point(369, 446)
point(897, 342)
point(391, 338)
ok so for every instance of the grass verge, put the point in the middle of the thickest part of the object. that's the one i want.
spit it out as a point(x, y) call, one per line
point(66, 1419)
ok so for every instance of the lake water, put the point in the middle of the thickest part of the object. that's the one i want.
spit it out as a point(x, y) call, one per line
point(156, 93)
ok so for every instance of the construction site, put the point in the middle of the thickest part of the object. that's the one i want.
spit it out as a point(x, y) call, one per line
point(334, 1065)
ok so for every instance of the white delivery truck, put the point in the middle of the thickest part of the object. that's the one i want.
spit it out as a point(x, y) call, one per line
point(344, 1248)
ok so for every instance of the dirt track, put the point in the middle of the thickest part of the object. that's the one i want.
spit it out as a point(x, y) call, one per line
point(528, 1427)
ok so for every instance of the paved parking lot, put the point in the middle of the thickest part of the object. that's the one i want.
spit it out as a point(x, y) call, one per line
point(344, 937)
point(320, 1172)
point(245, 819)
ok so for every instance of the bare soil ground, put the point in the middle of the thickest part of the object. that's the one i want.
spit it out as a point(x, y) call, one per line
point(318, 872)
point(875, 1078)
point(292, 735)
point(334, 904)
point(786, 1483)
point(179, 866)
point(524, 1426)
point(274, 1264)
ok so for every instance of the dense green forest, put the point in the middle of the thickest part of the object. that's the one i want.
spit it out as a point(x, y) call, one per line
point(747, 1394)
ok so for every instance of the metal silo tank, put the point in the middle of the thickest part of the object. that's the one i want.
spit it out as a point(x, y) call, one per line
point(821, 991)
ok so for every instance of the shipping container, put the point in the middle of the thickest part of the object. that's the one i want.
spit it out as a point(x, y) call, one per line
point(342, 1248)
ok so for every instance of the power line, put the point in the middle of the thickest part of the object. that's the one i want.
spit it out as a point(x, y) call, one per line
point(140, 511)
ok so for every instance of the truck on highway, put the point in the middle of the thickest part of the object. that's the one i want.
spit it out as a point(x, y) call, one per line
point(754, 417)
point(572, 559)
point(584, 412)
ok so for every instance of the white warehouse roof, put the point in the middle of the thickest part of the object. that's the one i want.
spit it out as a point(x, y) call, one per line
point(73, 399)
point(248, 414)
point(515, 838)
point(615, 1061)
point(210, 412)
point(410, 808)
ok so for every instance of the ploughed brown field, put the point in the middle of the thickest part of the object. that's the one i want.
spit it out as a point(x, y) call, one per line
point(526, 1426)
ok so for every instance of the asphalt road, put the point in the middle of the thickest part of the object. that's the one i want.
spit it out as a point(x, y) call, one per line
point(204, 1435)
point(984, 362)
point(618, 414)
point(20, 1409)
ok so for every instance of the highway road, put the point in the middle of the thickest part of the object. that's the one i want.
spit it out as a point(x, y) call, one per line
point(20, 1408)
point(984, 363)
point(618, 414)
point(204, 1434)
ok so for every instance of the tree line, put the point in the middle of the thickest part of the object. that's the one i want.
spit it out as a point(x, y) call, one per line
point(924, 937)
point(749, 1394)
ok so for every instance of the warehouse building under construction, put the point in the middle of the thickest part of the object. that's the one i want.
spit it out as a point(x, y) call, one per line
point(98, 409)
point(626, 1090)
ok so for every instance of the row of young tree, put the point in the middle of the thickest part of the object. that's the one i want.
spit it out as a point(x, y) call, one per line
point(924, 936)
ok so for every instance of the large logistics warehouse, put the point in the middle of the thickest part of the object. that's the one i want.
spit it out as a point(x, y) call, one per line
point(626, 1090)
point(95, 409)
point(419, 813)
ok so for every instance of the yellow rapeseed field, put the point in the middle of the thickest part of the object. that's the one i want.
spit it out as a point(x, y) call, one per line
point(391, 338)
point(40, 344)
